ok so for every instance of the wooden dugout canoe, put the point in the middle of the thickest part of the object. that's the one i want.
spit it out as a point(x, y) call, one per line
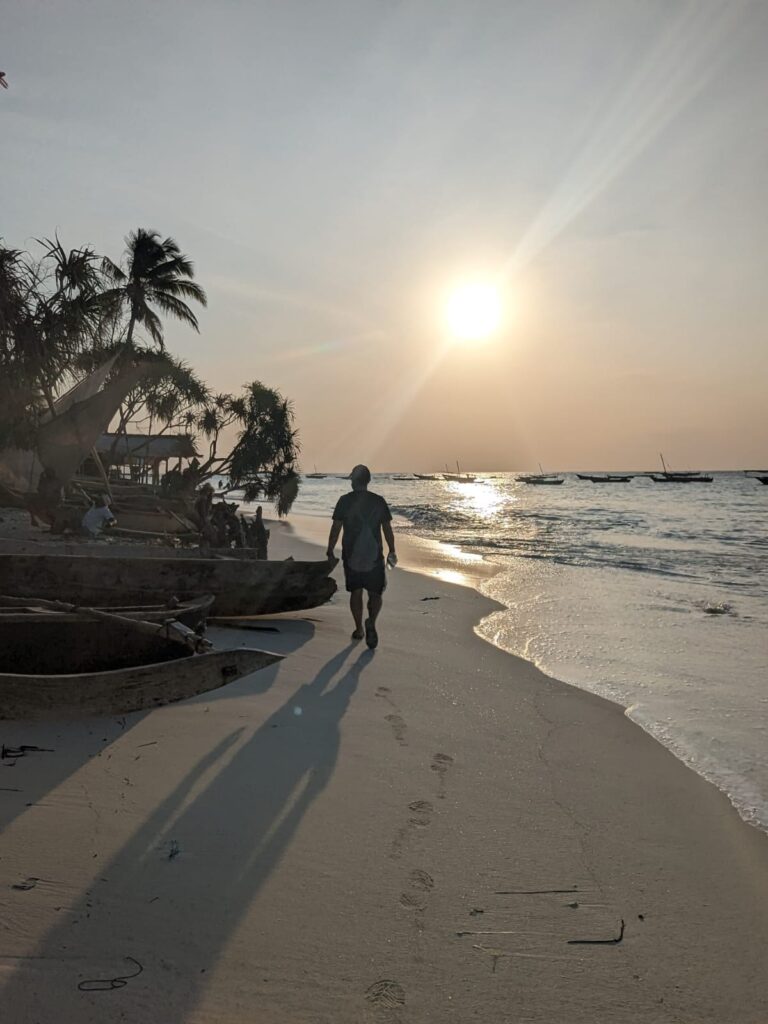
point(239, 587)
point(58, 666)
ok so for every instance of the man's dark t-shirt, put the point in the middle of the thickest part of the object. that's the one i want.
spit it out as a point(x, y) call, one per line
point(357, 509)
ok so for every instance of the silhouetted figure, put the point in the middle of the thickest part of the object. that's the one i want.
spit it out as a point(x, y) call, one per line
point(44, 504)
point(261, 535)
point(363, 516)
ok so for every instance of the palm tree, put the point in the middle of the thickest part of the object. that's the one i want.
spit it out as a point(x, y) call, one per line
point(154, 273)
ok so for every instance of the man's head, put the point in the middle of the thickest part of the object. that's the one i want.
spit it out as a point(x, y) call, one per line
point(360, 478)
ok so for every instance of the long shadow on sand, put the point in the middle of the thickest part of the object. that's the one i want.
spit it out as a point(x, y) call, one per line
point(69, 744)
point(231, 820)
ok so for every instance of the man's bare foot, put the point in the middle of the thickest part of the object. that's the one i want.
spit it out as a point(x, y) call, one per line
point(358, 634)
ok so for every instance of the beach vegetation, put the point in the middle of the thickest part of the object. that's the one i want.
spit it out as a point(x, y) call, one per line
point(65, 312)
point(153, 272)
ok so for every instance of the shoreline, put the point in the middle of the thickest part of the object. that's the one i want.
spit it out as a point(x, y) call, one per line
point(436, 559)
point(430, 833)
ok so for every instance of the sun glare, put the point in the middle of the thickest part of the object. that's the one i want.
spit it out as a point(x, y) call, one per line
point(473, 311)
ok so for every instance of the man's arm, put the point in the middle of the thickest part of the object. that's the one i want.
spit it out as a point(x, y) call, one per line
point(389, 535)
point(333, 537)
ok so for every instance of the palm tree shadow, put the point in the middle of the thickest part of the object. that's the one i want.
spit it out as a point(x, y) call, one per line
point(177, 891)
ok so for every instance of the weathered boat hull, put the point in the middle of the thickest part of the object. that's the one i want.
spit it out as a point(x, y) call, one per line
point(125, 689)
point(156, 521)
point(239, 587)
point(189, 613)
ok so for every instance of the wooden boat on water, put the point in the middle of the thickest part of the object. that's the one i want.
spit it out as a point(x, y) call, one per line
point(426, 476)
point(605, 478)
point(58, 665)
point(542, 478)
point(685, 476)
point(191, 614)
point(459, 477)
point(240, 586)
point(681, 478)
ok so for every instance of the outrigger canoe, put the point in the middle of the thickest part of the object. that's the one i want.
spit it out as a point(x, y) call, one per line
point(189, 613)
point(238, 586)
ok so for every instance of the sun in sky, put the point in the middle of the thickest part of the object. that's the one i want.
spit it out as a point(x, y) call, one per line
point(473, 311)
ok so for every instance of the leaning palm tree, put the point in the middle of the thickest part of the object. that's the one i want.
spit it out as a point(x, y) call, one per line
point(154, 272)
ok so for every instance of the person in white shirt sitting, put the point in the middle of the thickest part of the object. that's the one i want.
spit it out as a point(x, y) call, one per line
point(98, 517)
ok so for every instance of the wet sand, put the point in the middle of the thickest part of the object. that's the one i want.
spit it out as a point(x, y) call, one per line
point(432, 832)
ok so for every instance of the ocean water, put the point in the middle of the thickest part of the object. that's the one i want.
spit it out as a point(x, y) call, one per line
point(653, 595)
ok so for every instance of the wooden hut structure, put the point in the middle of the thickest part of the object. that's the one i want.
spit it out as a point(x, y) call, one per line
point(143, 458)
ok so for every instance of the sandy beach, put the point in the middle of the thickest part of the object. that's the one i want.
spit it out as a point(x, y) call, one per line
point(432, 832)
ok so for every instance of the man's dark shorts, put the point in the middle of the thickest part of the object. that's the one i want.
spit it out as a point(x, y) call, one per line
point(374, 581)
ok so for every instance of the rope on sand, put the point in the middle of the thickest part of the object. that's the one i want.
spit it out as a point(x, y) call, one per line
point(109, 984)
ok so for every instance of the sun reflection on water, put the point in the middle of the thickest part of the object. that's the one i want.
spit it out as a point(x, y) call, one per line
point(482, 498)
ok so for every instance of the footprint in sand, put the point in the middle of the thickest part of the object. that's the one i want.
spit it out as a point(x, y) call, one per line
point(424, 883)
point(421, 880)
point(384, 693)
point(421, 813)
point(385, 994)
point(412, 902)
point(398, 728)
point(440, 764)
point(420, 817)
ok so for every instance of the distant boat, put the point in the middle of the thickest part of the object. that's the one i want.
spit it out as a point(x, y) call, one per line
point(542, 478)
point(681, 478)
point(762, 479)
point(426, 476)
point(551, 479)
point(315, 475)
point(686, 476)
point(605, 478)
point(458, 476)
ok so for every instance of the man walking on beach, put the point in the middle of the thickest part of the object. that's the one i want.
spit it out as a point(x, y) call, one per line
point(363, 516)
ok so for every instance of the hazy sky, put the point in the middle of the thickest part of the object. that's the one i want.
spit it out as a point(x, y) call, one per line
point(333, 167)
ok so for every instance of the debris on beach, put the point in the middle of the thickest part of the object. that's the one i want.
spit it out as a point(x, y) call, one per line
point(27, 884)
point(14, 753)
point(109, 984)
point(716, 608)
point(600, 942)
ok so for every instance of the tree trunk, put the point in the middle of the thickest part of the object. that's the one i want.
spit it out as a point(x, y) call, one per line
point(131, 322)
